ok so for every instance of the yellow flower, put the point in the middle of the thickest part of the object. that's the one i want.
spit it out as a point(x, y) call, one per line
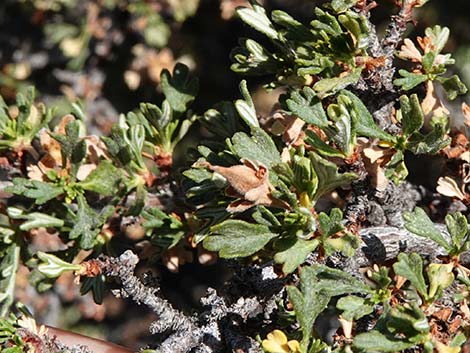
point(276, 342)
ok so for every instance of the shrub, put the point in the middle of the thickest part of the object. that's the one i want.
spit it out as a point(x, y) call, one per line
point(310, 205)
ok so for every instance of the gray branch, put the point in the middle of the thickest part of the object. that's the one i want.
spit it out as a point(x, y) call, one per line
point(213, 330)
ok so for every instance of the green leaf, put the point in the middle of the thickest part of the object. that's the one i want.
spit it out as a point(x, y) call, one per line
point(340, 6)
point(295, 253)
point(411, 267)
point(97, 285)
point(418, 222)
point(409, 80)
point(326, 22)
point(246, 108)
point(256, 18)
point(222, 121)
point(336, 282)
point(37, 220)
point(87, 223)
point(9, 262)
point(313, 65)
point(347, 243)
point(294, 30)
point(330, 224)
point(328, 176)
point(439, 37)
point(164, 230)
point(440, 277)
point(251, 58)
point(72, 145)
point(430, 143)
point(365, 125)
point(40, 191)
point(198, 175)
point(407, 320)
point(428, 61)
point(34, 219)
point(179, 89)
point(304, 178)
point(345, 126)
point(259, 147)
point(103, 180)
point(320, 146)
point(396, 170)
point(235, 238)
point(457, 227)
point(308, 303)
point(412, 114)
point(375, 341)
point(354, 307)
point(356, 24)
point(52, 267)
point(329, 86)
point(306, 105)
point(453, 86)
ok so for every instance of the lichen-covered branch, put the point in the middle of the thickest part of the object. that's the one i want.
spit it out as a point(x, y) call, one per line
point(392, 38)
point(217, 327)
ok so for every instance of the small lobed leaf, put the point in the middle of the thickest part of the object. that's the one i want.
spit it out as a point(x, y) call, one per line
point(257, 147)
point(430, 143)
point(52, 266)
point(320, 146)
point(440, 277)
point(295, 253)
point(251, 58)
point(178, 88)
point(9, 262)
point(439, 37)
point(328, 176)
point(411, 267)
point(354, 307)
point(357, 27)
point(34, 219)
point(365, 125)
point(457, 226)
point(419, 223)
point(412, 114)
point(103, 180)
point(236, 238)
point(334, 282)
point(308, 107)
point(453, 86)
point(38, 219)
point(329, 86)
point(407, 320)
point(308, 302)
point(40, 191)
point(256, 17)
point(87, 223)
point(409, 80)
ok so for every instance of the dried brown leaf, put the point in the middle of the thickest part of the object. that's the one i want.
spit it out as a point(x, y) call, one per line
point(250, 182)
point(448, 187)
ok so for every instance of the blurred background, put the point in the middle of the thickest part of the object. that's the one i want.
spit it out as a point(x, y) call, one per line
point(109, 54)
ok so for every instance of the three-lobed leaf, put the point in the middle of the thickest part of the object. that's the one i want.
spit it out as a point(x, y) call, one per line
point(40, 191)
point(295, 253)
point(178, 88)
